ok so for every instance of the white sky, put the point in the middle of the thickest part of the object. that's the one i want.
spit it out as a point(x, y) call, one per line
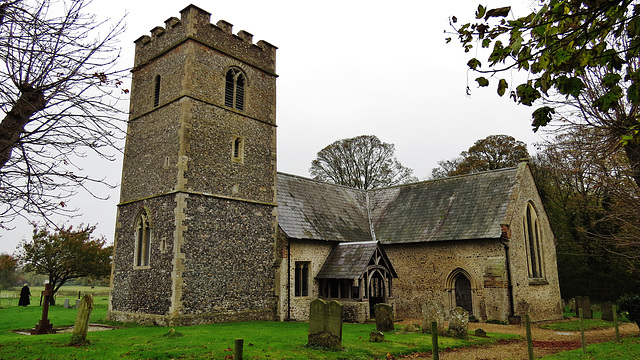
point(347, 68)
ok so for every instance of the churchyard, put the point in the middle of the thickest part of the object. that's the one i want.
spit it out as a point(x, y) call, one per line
point(262, 340)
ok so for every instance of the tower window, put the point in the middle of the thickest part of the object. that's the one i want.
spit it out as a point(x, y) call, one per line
point(234, 89)
point(156, 95)
point(237, 150)
point(143, 239)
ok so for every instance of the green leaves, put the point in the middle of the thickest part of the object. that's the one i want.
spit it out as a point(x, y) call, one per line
point(474, 63)
point(482, 81)
point(502, 86)
point(541, 117)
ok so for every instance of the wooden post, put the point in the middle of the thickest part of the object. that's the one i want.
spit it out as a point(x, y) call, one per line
point(584, 342)
point(614, 309)
point(434, 340)
point(527, 324)
point(237, 351)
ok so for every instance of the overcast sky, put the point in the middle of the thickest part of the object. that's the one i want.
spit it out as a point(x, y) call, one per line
point(346, 68)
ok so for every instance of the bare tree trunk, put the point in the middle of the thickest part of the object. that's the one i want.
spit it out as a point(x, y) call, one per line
point(12, 126)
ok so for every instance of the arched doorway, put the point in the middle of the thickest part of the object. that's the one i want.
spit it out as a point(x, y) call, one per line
point(376, 292)
point(463, 293)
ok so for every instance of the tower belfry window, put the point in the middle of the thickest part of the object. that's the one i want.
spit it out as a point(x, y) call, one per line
point(237, 150)
point(156, 94)
point(234, 89)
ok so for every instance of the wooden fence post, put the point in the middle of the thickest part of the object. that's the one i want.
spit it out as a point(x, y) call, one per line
point(434, 340)
point(614, 309)
point(527, 324)
point(237, 351)
point(584, 342)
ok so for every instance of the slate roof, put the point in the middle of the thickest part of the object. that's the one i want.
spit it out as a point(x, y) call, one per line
point(350, 260)
point(457, 208)
point(309, 209)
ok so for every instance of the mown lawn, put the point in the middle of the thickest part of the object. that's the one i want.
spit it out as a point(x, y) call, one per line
point(627, 349)
point(262, 340)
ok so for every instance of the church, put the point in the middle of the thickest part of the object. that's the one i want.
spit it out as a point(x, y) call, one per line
point(208, 231)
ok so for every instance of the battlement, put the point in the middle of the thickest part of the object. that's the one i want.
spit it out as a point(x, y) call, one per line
point(194, 24)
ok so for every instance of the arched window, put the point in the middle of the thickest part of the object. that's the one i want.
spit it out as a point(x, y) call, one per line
point(532, 241)
point(237, 150)
point(156, 94)
point(234, 89)
point(143, 239)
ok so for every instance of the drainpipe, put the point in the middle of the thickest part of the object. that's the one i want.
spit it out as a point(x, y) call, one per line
point(288, 280)
point(502, 240)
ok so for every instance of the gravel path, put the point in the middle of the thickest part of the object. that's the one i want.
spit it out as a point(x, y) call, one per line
point(545, 342)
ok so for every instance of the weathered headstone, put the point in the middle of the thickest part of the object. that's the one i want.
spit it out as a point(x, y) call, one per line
point(376, 336)
point(481, 333)
point(459, 322)
point(572, 305)
point(607, 311)
point(66, 304)
point(578, 306)
point(81, 326)
point(586, 308)
point(44, 326)
point(77, 303)
point(563, 304)
point(384, 317)
point(325, 324)
point(433, 311)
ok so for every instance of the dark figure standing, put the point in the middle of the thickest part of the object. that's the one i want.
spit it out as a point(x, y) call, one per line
point(25, 296)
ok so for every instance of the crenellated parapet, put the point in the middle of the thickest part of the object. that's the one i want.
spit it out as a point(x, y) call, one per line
point(194, 24)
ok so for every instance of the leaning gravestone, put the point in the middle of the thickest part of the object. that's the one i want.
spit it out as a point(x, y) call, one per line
point(459, 322)
point(325, 324)
point(607, 311)
point(433, 311)
point(81, 326)
point(384, 317)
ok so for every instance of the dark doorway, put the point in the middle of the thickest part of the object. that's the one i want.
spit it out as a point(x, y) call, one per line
point(463, 293)
point(376, 291)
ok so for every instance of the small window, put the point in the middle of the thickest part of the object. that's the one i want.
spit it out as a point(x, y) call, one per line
point(533, 239)
point(143, 239)
point(234, 89)
point(156, 95)
point(237, 150)
point(302, 278)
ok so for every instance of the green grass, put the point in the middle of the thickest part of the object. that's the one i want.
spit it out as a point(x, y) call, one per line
point(262, 340)
point(574, 325)
point(627, 349)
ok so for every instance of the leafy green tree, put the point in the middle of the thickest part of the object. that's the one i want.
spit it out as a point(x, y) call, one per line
point(362, 162)
point(8, 267)
point(586, 198)
point(490, 153)
point(58, 95)
point(65, 253)
point(585, 52)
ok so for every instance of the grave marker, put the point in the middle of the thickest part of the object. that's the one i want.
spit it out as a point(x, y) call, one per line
point(325, 324)
point(384, 317)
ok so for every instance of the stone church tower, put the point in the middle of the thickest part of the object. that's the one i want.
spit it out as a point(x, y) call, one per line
point(196, 222)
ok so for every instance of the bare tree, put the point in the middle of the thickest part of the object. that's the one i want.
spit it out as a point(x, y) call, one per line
point(58, 93)
point(363, 162)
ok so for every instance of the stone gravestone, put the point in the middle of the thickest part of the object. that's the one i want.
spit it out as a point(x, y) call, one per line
point(77, 303)
point(433, 311)
point(384, 317)
point(325, 324)
point(44, 326)
point(572, 305)
point(578, 300)
point(586, 308)
point(81, 326)
point(459, 322)
point(376, 336)
point(607, 311)
point(66, 304)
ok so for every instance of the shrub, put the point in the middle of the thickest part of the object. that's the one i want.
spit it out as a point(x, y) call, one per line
point(631, 304)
